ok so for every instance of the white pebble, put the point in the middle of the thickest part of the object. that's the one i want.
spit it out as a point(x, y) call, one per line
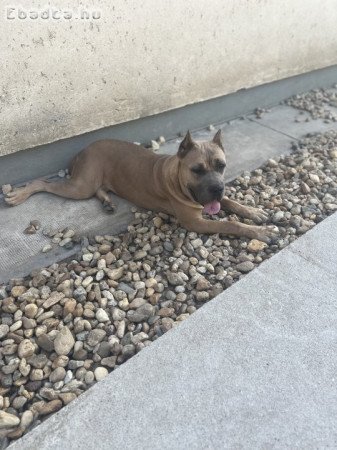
point(100, 373)
point(102, 315)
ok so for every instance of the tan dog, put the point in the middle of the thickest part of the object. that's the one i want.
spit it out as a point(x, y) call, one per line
point(184, 185)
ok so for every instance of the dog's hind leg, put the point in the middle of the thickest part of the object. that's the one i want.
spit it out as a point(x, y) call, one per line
point(104, 197)
point(74, 188)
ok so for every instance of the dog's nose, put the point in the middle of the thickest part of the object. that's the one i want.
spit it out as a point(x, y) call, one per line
point(216, 189)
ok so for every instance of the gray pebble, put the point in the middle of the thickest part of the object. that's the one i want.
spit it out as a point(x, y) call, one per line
point(245, 266)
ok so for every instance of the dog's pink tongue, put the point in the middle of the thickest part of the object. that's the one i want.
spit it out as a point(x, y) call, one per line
point(212, 207)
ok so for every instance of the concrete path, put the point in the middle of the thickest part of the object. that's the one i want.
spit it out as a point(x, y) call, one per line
point(255, 368)
point(249, 143)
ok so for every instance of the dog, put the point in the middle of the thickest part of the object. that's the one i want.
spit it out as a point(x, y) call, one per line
point(184, 185)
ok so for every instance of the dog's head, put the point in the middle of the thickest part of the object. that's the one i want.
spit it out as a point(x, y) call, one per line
point(202, 166)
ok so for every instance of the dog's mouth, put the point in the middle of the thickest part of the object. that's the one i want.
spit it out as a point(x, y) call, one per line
point(212, 207)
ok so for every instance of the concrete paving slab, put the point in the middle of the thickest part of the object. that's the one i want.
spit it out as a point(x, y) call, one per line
point(255, 368)
point(282, 118)
point(320, 247)
point(248, 146)
point(21, 253)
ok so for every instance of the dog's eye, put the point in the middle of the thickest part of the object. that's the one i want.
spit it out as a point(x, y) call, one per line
point(198, 170)
point(220, 167)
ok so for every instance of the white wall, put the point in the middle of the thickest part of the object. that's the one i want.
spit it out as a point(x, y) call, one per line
point(61, 78)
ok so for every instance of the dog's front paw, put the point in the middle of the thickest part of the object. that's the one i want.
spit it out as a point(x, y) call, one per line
point(257, 215)
point(268, 234)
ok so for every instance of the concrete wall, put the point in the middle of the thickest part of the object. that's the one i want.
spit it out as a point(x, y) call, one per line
point(63, 77)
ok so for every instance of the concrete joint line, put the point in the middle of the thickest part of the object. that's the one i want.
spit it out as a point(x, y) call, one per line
point(273, 129)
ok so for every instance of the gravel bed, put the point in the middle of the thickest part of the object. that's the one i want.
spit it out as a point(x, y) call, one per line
point(67, 326)
point(318, 103)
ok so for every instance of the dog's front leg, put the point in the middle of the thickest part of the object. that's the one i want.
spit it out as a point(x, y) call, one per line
point(262, 233)
point(247, 212)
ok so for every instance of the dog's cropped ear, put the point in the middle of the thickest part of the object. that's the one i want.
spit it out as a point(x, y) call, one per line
point(186, 145)
point(218, 139)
